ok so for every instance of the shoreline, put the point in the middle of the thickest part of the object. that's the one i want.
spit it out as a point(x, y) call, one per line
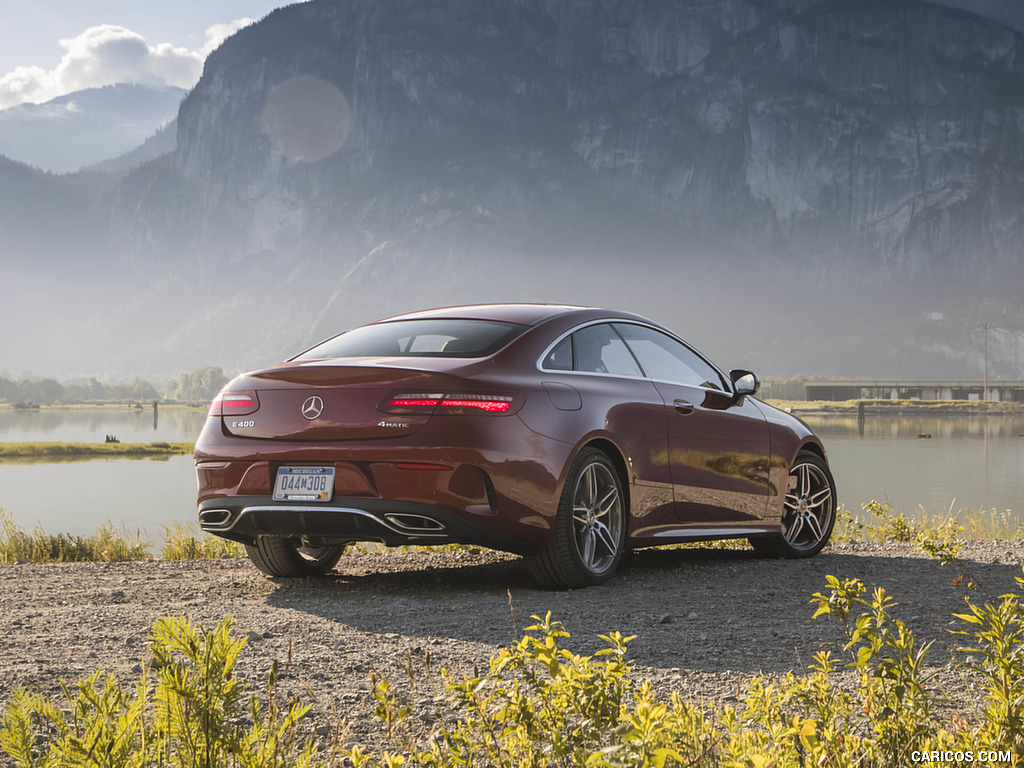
point(898, 407)
point(131, 406)
point(47, 450)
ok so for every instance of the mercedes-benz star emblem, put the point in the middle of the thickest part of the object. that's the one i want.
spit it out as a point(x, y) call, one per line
point(313, 407)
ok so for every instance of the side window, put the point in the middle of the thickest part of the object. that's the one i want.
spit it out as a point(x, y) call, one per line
point(600, 350)
point(560, 358)
point(666, 359)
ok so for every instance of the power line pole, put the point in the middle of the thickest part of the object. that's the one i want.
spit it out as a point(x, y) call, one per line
point(986, 325)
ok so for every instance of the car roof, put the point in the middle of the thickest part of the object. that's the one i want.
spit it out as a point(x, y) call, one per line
point(523, 314)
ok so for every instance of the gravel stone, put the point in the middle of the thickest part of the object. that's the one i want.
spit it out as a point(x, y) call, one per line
point(379, 613)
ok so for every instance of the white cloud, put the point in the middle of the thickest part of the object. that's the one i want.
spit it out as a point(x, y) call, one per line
point(109, 54)
point(218, 33)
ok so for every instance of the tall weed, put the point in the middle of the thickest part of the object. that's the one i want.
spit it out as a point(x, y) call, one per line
point(107, 545)
point(185, 543)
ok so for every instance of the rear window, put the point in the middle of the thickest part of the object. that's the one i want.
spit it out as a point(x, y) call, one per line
point(419, 338)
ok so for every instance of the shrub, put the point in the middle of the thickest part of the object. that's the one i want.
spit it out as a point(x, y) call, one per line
point(996, 653)
point(541, 705)
point(187, 709)
point(886, 524)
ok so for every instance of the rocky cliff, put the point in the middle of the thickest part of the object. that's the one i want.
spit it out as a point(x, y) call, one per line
point(879, 133)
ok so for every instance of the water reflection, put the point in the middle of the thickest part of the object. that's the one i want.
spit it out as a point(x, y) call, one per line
point(91, 425)
point(910, 427)
point(79, 497)
point(937, 463)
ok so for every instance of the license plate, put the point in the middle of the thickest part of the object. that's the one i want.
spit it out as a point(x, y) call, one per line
point(304, 484)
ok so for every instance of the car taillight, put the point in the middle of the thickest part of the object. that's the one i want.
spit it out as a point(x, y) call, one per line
point(488, 403)
point(414, 401)
point(451, 403)
point(234, 404)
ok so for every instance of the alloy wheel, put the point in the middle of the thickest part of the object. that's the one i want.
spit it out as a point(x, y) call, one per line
point(597, 517)
point(809, 507)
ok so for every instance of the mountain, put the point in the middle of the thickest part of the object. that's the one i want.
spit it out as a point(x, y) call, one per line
point(86, 127)
point(817, 186)
point(165, 140)
point(883, 132)
point(1005, 12)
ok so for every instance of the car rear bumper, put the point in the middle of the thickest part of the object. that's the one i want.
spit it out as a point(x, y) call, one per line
point(494, 487)
point(344, 520)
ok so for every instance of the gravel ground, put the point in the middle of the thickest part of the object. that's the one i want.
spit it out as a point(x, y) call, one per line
point(705, 620)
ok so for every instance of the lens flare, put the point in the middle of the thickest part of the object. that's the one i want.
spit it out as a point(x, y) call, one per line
point(306, 119)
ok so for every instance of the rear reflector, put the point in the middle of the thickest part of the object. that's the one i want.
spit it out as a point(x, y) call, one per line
point(414, 465)
point(234, 404)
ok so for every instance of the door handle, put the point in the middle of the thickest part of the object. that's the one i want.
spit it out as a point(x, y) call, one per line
point(683, 406)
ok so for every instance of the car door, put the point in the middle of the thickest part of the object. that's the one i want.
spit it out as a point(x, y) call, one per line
point(719, 448)
point(618, 399)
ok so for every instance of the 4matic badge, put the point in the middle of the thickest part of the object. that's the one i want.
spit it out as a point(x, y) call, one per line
point(391, 424)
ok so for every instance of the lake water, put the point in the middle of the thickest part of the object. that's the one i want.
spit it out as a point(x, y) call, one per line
point(92, 425)
point(79, 496)
point(938, 463)
point(966, 462)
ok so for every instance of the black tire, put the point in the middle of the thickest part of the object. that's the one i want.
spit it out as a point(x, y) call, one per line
point(276, 556)
point(809, 511)
point(589, 533)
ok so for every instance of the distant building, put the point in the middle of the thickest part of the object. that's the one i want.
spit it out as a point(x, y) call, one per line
point(998, 391)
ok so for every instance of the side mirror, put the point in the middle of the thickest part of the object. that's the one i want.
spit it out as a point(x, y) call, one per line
point(744, 382)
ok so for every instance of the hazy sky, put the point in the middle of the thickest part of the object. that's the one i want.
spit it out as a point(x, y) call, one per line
point(107, 41)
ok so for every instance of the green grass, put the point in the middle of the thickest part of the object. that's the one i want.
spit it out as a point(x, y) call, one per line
point(55, 451)
point(187, 542)
point(107, 545)
point(883, 523)
point(183, 542)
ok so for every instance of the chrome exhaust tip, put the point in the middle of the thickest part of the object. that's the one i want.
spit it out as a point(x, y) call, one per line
point(414, 523)
point(214, 518)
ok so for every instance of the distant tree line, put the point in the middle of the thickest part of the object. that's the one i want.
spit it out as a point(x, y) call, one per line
point(192, 387)
point(200, 387)
point(197, 386)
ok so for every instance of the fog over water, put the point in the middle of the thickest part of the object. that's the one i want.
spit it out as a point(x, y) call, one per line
point(792, 187)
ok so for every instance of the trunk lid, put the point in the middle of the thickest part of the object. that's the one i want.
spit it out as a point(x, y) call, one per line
point(332, 401)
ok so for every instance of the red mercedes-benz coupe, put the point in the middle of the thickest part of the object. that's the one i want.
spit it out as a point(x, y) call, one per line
point(565, 434)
